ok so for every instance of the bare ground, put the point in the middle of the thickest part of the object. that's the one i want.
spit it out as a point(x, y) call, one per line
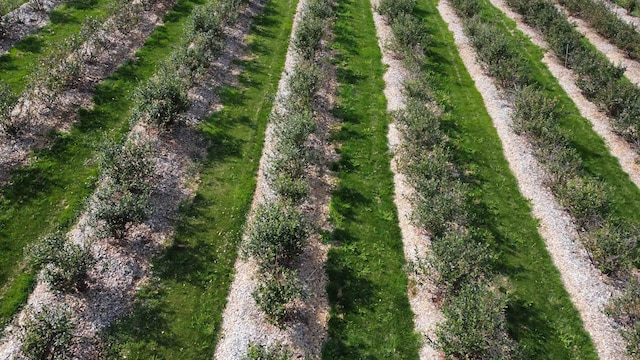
point(587, 287)
point(243, 323)
point(124, 265)
point(415, 241)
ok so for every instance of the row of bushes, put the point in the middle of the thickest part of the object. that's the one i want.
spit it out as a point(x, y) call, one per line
point(607, 24)
point(122, 198)
point(631, 5)
point(612, 243)
point(278, 231)
point(600, 80)
point(460, 261)
point(61, 68)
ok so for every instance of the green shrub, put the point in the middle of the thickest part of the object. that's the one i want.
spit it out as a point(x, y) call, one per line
point(614, 249)
point(475, 325)
point(115, 208)
point(275, 293)
point(260, 352)
point(626, 311)
point(47, 334)
point(467, 8)
point(534, 113)
point(161, 100)
point(64, 265)
point(419, 125)
point(308, 36)
point(586, 199)
point(320, 9)
point(303, 86)
point(393, 8)
point(410, 36)
point(8, 100)
point(128, 166)
point(276, 236)
point(456, 259)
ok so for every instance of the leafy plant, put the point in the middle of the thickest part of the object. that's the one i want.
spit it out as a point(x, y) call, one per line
point(393, 8)
point(47, 334)
point(261, 352)
point(275, 294)
point(625, 309)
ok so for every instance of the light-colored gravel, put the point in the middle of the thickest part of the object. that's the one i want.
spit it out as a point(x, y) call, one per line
point(124, 266)
point(601, 123)
point(585, 284)
point(38, 120)
point(243, 323)
point(415, 241)
point(24, 21)
point(611, 51)
point(623, 14)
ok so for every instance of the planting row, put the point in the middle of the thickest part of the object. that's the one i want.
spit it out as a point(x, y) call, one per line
point(611, 241)
point(128, 180)
point(459, 260)
point(600, 81)
point(607, 24)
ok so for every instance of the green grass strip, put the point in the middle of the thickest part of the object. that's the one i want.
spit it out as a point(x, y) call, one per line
point(52, 191)
point(66, 20)
point(179, 315)
point(370, 313)
point(597, 160)
point(540, 314)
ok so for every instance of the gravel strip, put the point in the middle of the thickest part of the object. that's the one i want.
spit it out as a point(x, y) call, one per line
point(39, 121)
point(601, 123)
point(415, 240)
point(623, 13)
point(243, 323)
point(124, 266)
point(585, 284)
point(611, 51)
point(25, 21)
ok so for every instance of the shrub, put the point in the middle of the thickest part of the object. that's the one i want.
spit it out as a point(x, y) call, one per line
point(275, 294)
point(320, 9)
point(65, 265)
point(410, 36)
point(419, 125)
point(586, 199)
point(614, 249)
point(47, 334)
point(115, 208)
point(276, 236)
point(306, 40)
point(161, 100)
point(128, 166)
point(393, 8)
point(626, 311)
point(8, 100)
point(467, 8)
point(260, 352)
point(475, 325)
point(303, 85)
point(534, 113)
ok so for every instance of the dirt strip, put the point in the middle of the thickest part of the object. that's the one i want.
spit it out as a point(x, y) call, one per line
point(623, 13)
point(585, 284)
point(243, 323)
point(415, 241)
point(39, 120)
point(124, 266)
point(611, 51)
point(24, 21)
point(625, 153)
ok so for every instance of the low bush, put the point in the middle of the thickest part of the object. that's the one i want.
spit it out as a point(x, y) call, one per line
point(115, 208)
point(47, 334)
point(303, 86)
point(275, 293)
point(393, 8)
point(8, 100)
point(626, 311)
point(276, 236)
point(161, 100)
point(586, 199)
point(308, 36)
point(614, 249)
point(128, 166)
point(260, 352)
point(410, 37)
point(320, 9)
point(475, 325)
point(64, 265)
point(534, 113)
